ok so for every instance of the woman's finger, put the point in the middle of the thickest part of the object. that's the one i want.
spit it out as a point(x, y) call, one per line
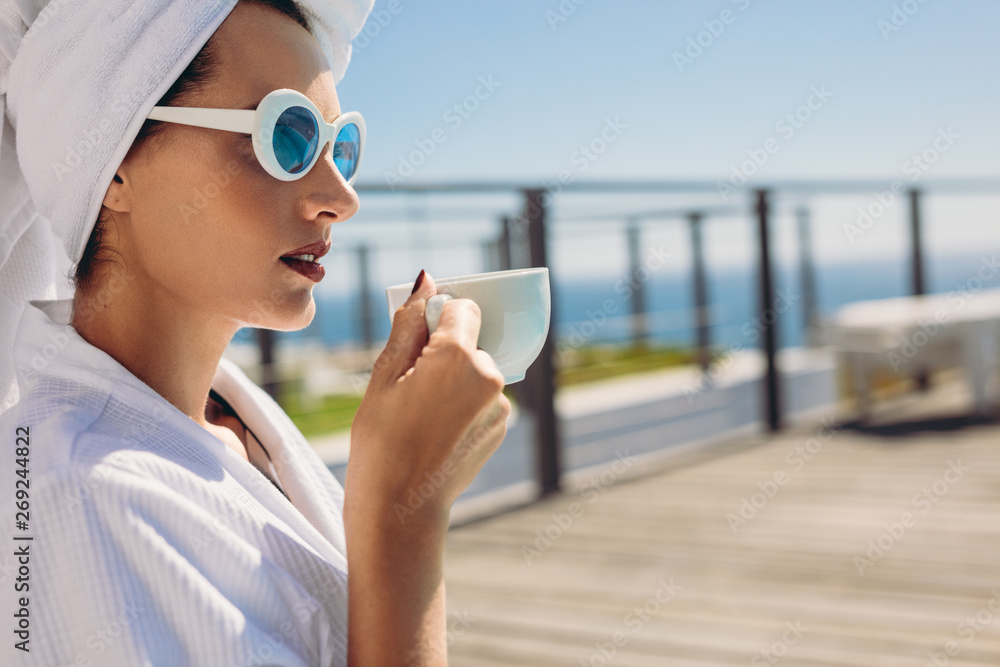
point(461, 320)
point(407, 337)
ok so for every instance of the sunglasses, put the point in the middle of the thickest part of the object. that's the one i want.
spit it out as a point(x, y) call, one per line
point(288, 132)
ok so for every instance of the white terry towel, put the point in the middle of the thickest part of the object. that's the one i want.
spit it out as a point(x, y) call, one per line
point(77, 80)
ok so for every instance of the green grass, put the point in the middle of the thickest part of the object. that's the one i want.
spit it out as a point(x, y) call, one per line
point(333, 413)
point(600, 363)
point(587, 364)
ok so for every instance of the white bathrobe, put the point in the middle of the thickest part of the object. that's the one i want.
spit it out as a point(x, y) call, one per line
point(153, 543)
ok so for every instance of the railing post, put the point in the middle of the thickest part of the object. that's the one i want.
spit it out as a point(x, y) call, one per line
point(365, 296)
point(538, 386)
point(268, 376)
point(700, 285)
point(918, 279)
point(918, 284)
point(768, 315)
point(504, 242)
point(640, 326)
point(807, 276)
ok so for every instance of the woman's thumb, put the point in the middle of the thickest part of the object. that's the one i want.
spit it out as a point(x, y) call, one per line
point(408, 335)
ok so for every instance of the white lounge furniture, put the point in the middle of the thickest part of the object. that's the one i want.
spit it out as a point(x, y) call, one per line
point(915, 335)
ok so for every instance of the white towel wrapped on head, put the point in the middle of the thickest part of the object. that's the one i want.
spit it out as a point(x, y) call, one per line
point(77, 80)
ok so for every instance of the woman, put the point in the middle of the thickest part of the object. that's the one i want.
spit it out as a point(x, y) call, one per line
point(175, 514)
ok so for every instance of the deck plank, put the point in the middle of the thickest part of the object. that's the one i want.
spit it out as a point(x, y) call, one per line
point(793, 562)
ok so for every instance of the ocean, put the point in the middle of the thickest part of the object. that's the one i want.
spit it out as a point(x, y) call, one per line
point(593, 312)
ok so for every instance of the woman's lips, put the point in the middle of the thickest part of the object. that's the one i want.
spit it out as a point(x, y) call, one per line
point(314, 271)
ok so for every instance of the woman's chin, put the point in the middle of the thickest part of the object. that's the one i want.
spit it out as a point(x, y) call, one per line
point(301, 317)
point(293, 315)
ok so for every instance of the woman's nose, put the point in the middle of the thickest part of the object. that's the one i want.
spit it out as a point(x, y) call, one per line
point(328, 191)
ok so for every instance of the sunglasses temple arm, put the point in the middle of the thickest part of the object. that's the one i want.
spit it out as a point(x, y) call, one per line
point(233, 120)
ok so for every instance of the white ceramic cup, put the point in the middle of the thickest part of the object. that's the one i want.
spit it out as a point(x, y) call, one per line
point(515, 307)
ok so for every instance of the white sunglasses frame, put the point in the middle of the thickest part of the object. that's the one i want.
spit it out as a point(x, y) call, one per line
point(259, 124)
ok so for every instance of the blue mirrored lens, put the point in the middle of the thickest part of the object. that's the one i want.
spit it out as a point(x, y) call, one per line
point(295, 137)
point(347, 150)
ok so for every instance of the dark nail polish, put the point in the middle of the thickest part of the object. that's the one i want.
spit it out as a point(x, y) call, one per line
point(420, 279)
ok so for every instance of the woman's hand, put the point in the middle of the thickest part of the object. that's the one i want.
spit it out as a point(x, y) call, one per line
point(433, 414)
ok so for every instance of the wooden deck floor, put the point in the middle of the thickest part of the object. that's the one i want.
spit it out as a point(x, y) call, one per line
point(849, 562)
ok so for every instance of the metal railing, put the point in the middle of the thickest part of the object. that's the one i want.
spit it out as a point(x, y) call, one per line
point(522, 240)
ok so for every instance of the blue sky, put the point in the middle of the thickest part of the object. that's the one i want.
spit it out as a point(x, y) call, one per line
point(557, 85)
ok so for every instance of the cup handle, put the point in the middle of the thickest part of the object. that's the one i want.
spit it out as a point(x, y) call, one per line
point(432, 312)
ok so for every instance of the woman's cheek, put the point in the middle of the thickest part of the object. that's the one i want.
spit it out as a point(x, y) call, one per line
point(245, 156)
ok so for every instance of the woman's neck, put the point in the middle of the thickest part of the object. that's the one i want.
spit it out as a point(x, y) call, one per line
point(165, 342)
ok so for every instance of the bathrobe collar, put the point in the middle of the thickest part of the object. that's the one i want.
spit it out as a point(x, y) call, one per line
point(47, 342)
